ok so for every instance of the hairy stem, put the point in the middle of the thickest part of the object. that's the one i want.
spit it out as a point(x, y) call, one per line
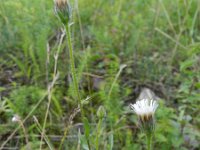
point(149, 141)
point(74, 77)
point(72, 64)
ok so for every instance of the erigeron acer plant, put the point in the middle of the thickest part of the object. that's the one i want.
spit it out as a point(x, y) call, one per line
point(145, 110)
point(64, 13)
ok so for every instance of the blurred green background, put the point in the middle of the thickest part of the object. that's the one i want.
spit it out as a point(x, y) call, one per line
point(158, 40)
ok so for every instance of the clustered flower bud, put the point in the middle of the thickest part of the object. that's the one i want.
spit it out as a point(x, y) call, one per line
point(145, 110)
point(63, 10)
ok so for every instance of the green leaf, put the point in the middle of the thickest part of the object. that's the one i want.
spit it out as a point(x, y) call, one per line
point(86, 127)
point(186, 64)
point(161, 138)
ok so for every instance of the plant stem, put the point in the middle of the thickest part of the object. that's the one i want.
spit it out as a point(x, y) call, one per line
point(98, 134)
point(25, 134)
point(72, 64)
point(50, 86)
point(149, 141)
point(73, 72)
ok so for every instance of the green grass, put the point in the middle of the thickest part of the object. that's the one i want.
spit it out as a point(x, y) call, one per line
point(159, 42)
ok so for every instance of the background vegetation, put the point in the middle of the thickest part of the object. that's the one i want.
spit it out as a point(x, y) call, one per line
point(158, 40)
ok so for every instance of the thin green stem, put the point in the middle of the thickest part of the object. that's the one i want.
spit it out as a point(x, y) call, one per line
point(74, 77)
point(98, 134)
point(115, 80)
point(149, 141)
point(72, 64)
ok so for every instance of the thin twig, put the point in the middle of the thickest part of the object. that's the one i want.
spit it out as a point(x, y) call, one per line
point(171, 38)
point(51, 85)
point(75, 112)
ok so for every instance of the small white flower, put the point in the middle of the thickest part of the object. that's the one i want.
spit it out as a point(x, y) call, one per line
point(144, 107)
point(15, 118)
point(145, 110)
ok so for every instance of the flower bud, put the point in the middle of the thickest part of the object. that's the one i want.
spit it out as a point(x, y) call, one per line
point(63, 10)
point(101, 112)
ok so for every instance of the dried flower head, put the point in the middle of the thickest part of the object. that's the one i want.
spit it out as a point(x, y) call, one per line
point(16, 118)
point(63, 10)
point(145, 110)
